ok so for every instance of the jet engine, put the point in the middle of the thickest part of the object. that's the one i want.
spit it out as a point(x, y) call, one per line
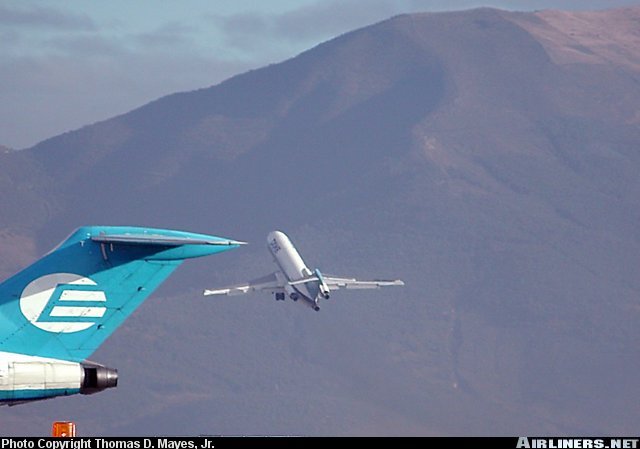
point(45, 378)
point(324, 290)
point(96, 378)
point(322, 285)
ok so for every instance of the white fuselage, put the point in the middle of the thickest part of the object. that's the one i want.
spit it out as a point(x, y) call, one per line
point(292, 266)
point(287, 257)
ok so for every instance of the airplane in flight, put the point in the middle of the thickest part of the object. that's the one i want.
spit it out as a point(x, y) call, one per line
point(55, 313)
point(294, 279)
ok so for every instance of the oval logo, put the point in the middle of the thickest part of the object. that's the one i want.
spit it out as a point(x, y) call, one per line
point(63, 303)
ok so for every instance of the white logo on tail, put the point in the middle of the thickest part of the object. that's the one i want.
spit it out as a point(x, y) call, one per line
point(37, 295)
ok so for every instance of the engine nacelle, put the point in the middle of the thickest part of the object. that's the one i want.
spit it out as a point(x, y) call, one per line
point(96, 378)
point(33, 378)
point(322, 285)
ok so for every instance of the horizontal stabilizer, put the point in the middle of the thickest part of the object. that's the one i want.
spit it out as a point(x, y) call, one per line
point(160, 240)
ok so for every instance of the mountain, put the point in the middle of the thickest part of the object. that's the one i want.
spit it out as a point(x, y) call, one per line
point(488, 158)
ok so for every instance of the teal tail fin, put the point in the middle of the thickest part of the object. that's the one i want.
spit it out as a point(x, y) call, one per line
point(67, 303)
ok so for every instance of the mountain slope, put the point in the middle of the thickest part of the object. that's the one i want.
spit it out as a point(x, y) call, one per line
point(472, 154)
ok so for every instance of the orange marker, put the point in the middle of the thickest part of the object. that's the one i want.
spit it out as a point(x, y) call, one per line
point(63, 429)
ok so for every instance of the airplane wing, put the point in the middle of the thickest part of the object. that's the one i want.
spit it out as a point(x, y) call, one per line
point(350, 283)
point(273, 282)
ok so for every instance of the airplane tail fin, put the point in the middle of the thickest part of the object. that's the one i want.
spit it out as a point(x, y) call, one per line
point(67, 303)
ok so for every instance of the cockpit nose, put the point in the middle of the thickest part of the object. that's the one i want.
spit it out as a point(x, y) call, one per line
point(276, 240)
point(275, 235)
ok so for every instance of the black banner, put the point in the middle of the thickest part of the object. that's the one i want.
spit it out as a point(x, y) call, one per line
point(221, 442)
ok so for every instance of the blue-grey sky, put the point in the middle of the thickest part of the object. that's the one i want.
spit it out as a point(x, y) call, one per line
point(72, 63)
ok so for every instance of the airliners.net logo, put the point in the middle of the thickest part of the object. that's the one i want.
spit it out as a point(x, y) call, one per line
point(577, 443)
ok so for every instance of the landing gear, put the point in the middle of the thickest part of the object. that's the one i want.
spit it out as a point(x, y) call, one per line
point(279, 296)
point(294, 296)
point(316, 308)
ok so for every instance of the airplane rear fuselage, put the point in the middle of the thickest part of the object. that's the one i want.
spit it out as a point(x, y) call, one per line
point(56, 312)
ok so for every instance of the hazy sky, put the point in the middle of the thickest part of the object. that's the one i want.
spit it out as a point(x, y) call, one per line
point(68, 64)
